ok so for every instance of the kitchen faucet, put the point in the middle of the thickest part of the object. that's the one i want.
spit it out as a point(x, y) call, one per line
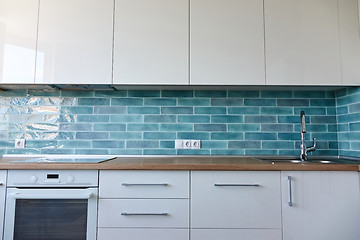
point(303, 149)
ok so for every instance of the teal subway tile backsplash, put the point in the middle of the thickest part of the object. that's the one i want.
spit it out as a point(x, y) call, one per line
point(136, 122)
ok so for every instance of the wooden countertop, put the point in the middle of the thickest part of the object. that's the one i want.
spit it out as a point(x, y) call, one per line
point(212, 163)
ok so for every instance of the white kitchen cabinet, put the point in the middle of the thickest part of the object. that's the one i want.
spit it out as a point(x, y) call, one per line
point(236, 234)
point(302, 42)
point(227, 42)
point(75, 42)
point(237, 200)
point(139, 234)
point(2, 200)
point(151, 43)
point(18, 29)
point(325, 205)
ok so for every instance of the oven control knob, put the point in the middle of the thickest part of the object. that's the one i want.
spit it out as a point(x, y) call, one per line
point(33, 179)
point(70, 179)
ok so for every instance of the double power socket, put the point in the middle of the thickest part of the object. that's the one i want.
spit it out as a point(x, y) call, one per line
point(187, 144)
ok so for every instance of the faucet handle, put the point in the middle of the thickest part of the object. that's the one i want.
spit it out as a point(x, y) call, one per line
point(313, 147)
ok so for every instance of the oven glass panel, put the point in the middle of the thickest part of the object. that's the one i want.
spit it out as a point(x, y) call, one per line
point(50, 219)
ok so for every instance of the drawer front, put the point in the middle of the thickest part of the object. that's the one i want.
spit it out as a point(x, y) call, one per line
point(2, 199)
point(236, 234)
point(144, 184)
point(235, 199)
point(141, 234)
point(162, 213)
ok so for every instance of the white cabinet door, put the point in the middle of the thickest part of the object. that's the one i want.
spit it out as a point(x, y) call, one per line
point(234, 199)
point(141, 234)
point(236, 234)
point(75, 42)
point(18, 26)
point(2, 199)
point(302, 42)
point(325, 205)
point(151, 42)
point(227, 42)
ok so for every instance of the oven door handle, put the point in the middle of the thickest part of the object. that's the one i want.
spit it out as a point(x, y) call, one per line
point(18, 195)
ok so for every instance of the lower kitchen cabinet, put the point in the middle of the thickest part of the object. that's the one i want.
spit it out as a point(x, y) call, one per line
point(320, 205)
point(2, 199)
point(141, 234)
point(236, 234)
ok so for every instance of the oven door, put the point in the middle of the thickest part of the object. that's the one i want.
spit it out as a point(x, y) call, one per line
point(51, 214)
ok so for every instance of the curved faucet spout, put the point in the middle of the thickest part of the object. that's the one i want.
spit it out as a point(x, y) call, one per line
point(303, 149)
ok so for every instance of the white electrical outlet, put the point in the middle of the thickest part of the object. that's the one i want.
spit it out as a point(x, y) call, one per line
point(19, 143)
point(179, 144)
point(195, 144)
point(187, 144)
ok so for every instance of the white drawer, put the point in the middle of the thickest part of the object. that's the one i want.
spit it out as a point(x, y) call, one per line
point(144, 184)
point(161, 213)
point(234, 199)
point(236, 234)
point(141, 234)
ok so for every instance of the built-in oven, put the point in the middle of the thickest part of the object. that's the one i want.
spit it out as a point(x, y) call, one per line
point(51, 205)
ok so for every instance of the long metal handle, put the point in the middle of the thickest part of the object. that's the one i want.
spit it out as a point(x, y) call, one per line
point(236, 185)
point(143, 214)
point(144, 184)
point(290, 191)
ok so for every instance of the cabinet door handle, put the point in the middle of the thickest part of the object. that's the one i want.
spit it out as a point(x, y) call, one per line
point(143, 214)
point(144, 184)
point(236, 185)
point(290, 191)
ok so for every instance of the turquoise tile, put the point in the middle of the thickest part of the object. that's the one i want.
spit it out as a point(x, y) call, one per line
point(73, 144)
point(57, 151)
point(322, 102)
point(167, 144)
point(350, 136)
point(227, 102)
point(344, 145)
point(315, 128)
point(290, 136)
point(355, 127)
point(260, 119)
point(193, 119)
point(330, 94)
point(109, 127)
point(126, 135)
point(334, 145)
point(245, 144)
point(127, 118)
point(276, 94)
point(125, 151)
point(109, 110)
point(277, 145)
point(108, 144)
point(143, 110)
point(75, 127)
point(160, 102)
point(159, 151)
point(210, 110)
point(144, 93)
point(176, 127)
point(177, 93)
point(4, 144)
point(44, 93)
point(77, 94)
point(105, 93)
point(193, 135)
point(353, 90)
point(67, 118)
point(93, 118)
point(160, 118)
point(91, 151)
point(353, 108)
point(76, 110)
point(244, 94)
point(210, 94)
point(260, 102)
point(227, 119)
point(323, 119)
point(261, 152)
point(354, 117)
point(260, 136)
point(142, 127)
point(277, 127)
point(348, 99)
point(355, 146)
point(20, 151)
point(94, 101)
point(37, 144)
point(194, 101)
point(244, 110)
point(243, 127)
point(65, 135)
point(310, 110)
point(276, 110)
point(214, 144)
point(227, 152)
point(227, 136)
point(13, 93)
point(332, 128)
point(176, 110)
point(292, 119)
point(343, 127)
point(325, 136)
point(142, 144)
point(159, 135)
point(293, 102)
point(193, 152)
point(92, 135)
point(127, 101)
point(210, 127)
point(288, 152)
point(309, 94)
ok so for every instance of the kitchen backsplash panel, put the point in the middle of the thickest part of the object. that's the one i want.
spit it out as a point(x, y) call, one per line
point(148, 121)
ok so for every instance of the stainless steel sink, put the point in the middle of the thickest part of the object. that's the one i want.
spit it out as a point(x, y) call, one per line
point(311, 159)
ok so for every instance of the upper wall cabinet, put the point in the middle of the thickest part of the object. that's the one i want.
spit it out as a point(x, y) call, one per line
point(311, 42)
point(151, 42)
point(75, 42)
point(227, 42)
point(18, 25)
